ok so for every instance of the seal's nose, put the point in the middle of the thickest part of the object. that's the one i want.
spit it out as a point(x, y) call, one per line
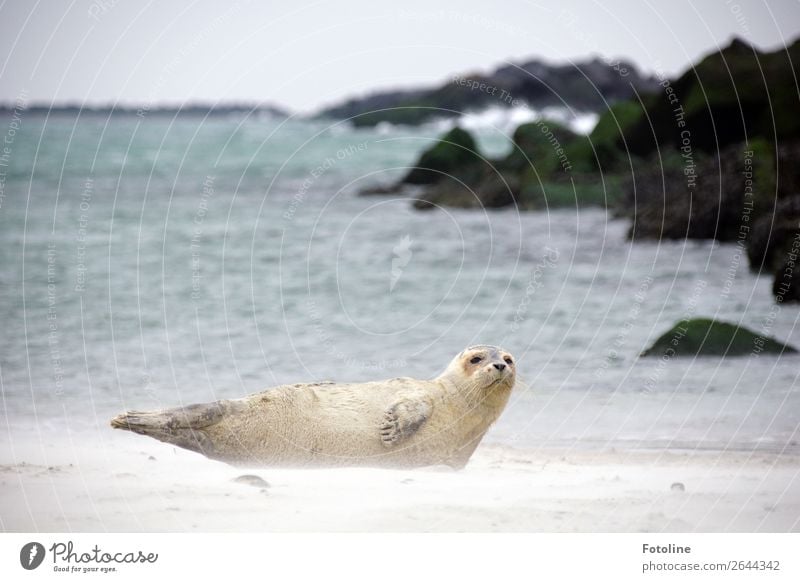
point(500, 366)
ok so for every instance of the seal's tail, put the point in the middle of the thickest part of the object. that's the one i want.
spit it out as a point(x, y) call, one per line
point(182, 426)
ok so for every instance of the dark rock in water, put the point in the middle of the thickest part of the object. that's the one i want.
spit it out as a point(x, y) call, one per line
point(488, 191)
point(477, 183)
point(253, 480)
point(707, 337)
point(677, 486)
point(455, 153)
point(381, 190)
point(425, 204)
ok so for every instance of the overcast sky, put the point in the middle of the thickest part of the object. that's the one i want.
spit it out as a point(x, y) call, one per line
point(302, 54)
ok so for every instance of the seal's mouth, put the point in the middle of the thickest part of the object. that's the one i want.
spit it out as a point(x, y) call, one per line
point(499, 378)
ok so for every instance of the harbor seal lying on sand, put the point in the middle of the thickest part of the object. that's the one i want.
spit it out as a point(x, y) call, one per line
point(400, 422)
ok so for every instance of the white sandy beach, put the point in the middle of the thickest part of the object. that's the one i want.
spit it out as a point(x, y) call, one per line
point(135, 485)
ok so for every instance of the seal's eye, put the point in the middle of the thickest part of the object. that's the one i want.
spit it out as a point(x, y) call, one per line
point(509, 361)
point(475, 360)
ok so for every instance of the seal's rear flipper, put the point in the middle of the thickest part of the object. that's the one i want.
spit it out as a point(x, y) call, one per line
point(178, 426)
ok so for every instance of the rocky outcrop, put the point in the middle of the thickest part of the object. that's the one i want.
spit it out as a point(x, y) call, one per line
point(716, 155)
point(585, 85)
point(747, 193)
point(774, 242)
point(671, 197)
point(549, 166)
point(774, 235)
point(455, 153)
point(728, 97)
point(708, 337)
point(774, 246)
point(490, 189)
point(786, 282)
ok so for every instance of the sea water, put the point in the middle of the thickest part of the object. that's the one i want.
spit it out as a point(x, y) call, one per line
point(151, 261)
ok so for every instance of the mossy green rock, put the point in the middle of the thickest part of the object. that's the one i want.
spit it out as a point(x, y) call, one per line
point(454, 153)
point(609, 133)
point(551, 149)
point(731, 95)
point(708, 337)
point(549, 166)
point(539, 145)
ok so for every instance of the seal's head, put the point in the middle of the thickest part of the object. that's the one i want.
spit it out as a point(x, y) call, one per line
point(484, 367)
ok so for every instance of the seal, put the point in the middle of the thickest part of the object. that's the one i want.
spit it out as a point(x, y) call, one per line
point(401, 422)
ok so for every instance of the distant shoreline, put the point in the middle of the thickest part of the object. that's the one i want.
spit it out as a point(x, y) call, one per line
point(145, 110)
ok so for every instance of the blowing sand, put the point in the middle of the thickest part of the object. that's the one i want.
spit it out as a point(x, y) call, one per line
point(134, 485)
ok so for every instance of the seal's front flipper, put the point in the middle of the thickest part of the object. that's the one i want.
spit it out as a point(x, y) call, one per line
point(403, 419)
point(178, 426)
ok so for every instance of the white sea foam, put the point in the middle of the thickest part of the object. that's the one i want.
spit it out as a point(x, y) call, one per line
point(507, 119)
